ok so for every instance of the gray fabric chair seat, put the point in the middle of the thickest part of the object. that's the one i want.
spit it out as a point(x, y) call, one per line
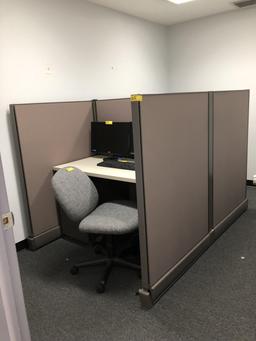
point(117, 217)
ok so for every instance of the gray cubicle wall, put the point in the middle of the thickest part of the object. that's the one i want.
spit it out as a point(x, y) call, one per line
point(116, 110)
point(48, 134)
point(230, 136)
point(171, 153)
point(191, 165)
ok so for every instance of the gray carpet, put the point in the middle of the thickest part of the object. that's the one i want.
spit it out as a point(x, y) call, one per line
point(214, 300)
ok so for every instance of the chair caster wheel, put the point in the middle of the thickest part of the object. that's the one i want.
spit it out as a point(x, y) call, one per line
point(74, 270)
point(100, 288)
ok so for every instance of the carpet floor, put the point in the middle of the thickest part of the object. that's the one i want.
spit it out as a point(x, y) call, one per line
point(214, 300)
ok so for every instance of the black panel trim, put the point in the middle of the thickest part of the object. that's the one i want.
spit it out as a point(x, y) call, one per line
point(210, 158)
point(20, 162)
point(94, 110)
point(137, 139)
point(44, 238)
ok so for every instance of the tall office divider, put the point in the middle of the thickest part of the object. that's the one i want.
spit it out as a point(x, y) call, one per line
point(118, 110)
point(48, 134)
point(230, 136)
point(171, 154)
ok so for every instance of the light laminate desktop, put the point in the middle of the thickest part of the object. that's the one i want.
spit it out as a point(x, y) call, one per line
point(89, 166)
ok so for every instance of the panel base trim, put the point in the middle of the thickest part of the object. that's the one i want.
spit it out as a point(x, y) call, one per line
point(42, 239)
point(149, 298)
point(180, 268)
point(230, 219)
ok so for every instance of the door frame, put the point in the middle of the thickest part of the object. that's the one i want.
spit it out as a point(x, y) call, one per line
point(14, 317)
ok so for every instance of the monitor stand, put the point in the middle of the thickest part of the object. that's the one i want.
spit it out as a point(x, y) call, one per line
point(110, 157)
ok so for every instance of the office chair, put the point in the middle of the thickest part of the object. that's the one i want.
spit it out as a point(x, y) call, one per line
point(78, 197)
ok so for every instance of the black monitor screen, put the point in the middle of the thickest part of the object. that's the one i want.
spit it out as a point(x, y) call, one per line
point(112, 139)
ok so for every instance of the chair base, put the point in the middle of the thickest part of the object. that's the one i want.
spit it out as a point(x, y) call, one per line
point(109, 263)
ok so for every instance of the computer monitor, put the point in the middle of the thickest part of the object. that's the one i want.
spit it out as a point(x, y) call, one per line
point(112, 139)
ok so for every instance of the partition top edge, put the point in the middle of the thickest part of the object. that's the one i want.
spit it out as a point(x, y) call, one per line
point(193, 92)
point(64, 102)
point(113, 99)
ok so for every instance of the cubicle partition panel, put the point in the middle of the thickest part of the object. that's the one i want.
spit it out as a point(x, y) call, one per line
point(230, 136)
point(190, 158)
point(116, 110)
point(191, 165)
point(171, 155)
point(48, 134)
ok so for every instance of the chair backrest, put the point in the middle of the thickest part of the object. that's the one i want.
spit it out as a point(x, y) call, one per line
point(75, 192)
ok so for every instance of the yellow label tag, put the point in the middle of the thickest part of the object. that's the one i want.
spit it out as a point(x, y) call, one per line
point(70, 169)
point(136, 98)
point(109, 122)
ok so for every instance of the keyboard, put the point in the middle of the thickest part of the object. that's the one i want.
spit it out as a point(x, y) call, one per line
point(117, 164)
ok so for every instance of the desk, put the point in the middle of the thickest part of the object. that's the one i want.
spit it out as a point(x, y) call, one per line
point(89, 166)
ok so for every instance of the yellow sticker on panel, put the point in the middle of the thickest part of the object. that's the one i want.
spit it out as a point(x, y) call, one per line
point(136, 98)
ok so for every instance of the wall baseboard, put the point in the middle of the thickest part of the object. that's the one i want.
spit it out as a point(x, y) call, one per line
point(22, 245)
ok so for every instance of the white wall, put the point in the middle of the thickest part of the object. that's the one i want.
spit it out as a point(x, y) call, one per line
point(217, 53)
point(92, 52)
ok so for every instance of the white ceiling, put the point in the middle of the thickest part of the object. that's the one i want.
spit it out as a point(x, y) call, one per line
point(167, 13)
